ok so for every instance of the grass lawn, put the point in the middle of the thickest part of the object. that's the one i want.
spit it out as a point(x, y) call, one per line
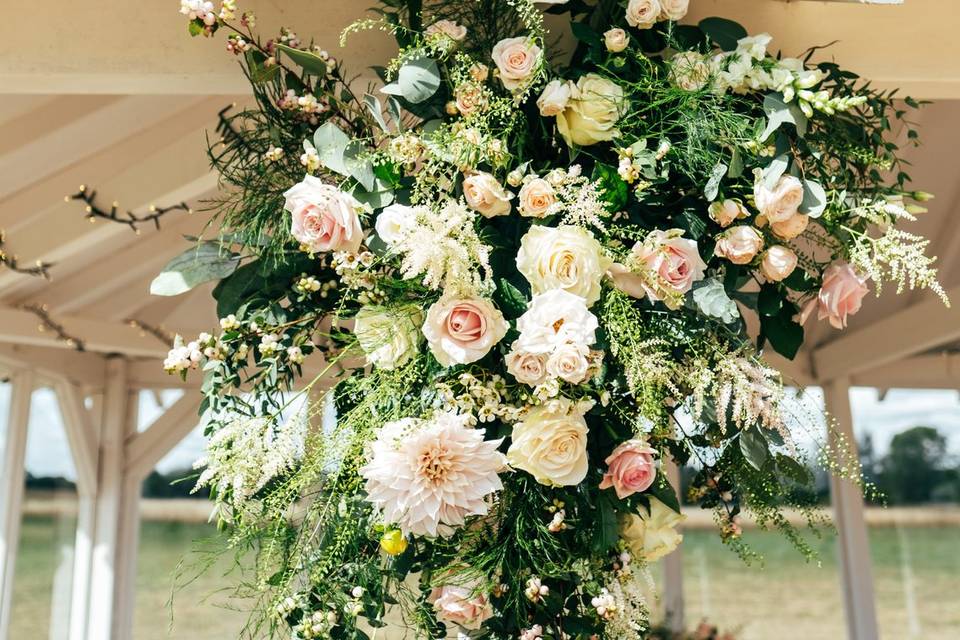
point(786, 599)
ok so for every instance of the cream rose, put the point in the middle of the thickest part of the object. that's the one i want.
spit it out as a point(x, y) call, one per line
point(527, 368)
point(841, 294)
point(461, 605)
point(791, 227)
point(555, 97)
point(653, 533)
point(388, 337)
point(616, 40)
point(486, 196)
point(673, 9)
point(517, 59)
point(569, 362)
point(739, 244)
point(727, 212)
point(323, 217)
point(566, 257)
point(463, 330)
point(536, 198)
point(630, 468)
point(643, 14)
point(780, 203)
point(448, 28)
point(469, 98)
point(689, 71)
point(592, 112)
point(554, 318)
point(664, 266)
point(394, 221)
point(777, 263)
point(551, 443)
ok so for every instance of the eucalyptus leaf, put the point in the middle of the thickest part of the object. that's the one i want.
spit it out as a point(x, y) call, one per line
point(331, 143)
point(724, 32)
point(780, 113)
point(712, 300)
point(416, 81)
point(395, 111)
point(713, 184)
point(373, 104)
point(754, 447)
point(814, 199)
point(203, 263)
point(775, 170)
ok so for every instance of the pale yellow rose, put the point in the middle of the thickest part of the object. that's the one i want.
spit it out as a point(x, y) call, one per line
point(780, 203)
point(536, 198)
point(551, 443)
point(554, 98)
point(592, 112)
point(566, 257)
point(570, 362)
point(388, 337)
point(643, 14)
point(616, 40)
point(673, 9)
point(527, 368)
point(652, 534)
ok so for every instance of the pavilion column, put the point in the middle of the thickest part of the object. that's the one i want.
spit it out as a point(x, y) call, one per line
point(854, 544)
point(673, 567)
point(11, 489)
point(115, 514)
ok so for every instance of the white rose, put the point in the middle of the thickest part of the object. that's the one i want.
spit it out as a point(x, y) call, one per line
point(569, 362)
point(554, 318)
point(486, 196)
point(643, 14)
point(389, 337)
point(555, 97)
point(652, 534)
point(593, 111)
point(673, 9)
point(448, 28)
point(463, 330)
point(527, 368)
point(566, 257)
point(536, 198)
point(778, 262)
point(616, 40)
point(689, 71)
point(394, 221)
point(517, 59)
point(780, 203)
point(551, 444)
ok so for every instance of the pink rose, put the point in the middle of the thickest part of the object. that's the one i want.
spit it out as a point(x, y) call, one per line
point(486, 196)
point(791, 227)
point(463, 330)
point(841, 295)
point(527, 368)
point(460, 606)
point(739, 244)
point(517, 60)
point(777, 263)
point(630, 468)
point(324, 218)
point(780, 203)
point(673, 262)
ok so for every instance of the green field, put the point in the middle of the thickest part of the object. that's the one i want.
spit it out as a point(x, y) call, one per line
point(786, 599)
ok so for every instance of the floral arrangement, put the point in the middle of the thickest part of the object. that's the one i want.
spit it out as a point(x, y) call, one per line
point(468, 318)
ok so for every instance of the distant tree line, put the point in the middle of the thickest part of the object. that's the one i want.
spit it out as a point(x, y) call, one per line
point(174, 484)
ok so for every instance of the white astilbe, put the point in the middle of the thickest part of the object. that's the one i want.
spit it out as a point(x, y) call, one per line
point(896, 256)
point(583, 203)
point(247, 452)
point(751, 391)
point(623, 604)
point(443, 247)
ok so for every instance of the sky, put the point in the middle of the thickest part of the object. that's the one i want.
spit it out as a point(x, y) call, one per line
point(48, 453)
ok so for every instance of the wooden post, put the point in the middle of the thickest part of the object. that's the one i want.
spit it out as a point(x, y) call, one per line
point(673, 567)
point(12, 489)
point(854, 544)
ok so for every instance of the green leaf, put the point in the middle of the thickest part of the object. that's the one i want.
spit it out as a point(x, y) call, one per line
point(378, 197)
point(780, 113)
point(784, 334)
point(713, 184)
point(723, 32)
point(606, 531)
point(583, 32)
point(662, 490)
point(260, 74)
point(754, 447)
point(770, 301)
point(814, 199)
point(510, 300)
point(793, 469)
point(372, 103)
point(341, 154)
point(800, 280)
point(616, 192)
point(203, 263)
point(416, 82)
point(309, 62)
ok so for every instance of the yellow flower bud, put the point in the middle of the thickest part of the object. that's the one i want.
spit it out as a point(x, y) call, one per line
point(393, 542)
